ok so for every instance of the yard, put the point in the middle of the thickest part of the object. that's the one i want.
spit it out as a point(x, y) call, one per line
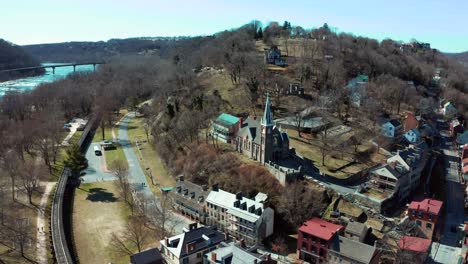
point(339, 164)
point(97, 212)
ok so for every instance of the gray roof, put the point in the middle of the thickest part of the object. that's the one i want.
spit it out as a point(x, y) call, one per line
point(356, 228)
point(252, 128)
point(233, 254)
point(149, 256)
point(357, 251)
point(387, 171)
point(315, 122)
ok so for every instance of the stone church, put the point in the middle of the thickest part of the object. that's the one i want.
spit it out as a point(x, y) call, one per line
point(261, 140)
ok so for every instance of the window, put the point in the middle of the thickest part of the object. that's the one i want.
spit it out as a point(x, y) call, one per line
point(428, 225)
point(185, 261)
point(199, 255)
point(304, 245)
point(430, 217)
point(418, 222)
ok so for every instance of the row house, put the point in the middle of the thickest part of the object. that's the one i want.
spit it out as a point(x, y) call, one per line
point(402, 172)
point(190, 246)
point(189, 200)
point(426, 215)
point(237, 253)
point(242, 218)
point(392, 130)
point(319, 241)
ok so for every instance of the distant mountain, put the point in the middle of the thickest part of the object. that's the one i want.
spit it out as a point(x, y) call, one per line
point(13, 56)
point(95, 51)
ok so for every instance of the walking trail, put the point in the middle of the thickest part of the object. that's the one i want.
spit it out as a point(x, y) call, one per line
point(41, 243)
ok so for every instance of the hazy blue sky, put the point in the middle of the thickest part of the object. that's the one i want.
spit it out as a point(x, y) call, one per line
point(442, 23)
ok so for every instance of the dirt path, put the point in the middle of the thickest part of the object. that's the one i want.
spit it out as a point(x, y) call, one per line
point(41, 243)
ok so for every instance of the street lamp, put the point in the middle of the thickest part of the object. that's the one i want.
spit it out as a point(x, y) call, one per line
point(151, 175)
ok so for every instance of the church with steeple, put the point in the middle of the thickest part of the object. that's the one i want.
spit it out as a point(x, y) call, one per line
point(261, 140)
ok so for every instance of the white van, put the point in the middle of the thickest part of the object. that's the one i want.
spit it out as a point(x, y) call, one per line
point(97, 151)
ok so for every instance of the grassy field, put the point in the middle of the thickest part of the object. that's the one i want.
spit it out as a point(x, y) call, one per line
point(98, 212)
point(76, 137)
point(113, 155)
point(150, 156)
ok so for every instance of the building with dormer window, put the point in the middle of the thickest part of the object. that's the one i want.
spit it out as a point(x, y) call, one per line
point(426, 215)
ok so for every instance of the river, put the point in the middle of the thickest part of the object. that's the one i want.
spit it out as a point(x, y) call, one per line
point(29, 83)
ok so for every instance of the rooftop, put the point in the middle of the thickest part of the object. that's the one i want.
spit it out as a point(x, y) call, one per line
point(357, 251)
point(227, 119)
point(149, 256)
point(320, 228)
point(233, 254)
point(428, 205)
point(414, 244)
point(356, 228)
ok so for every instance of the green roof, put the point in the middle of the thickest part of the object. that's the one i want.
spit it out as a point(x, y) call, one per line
point(227, 119)
point(167, 189)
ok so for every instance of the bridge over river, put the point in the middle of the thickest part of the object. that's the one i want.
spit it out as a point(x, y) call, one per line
point(53, 66)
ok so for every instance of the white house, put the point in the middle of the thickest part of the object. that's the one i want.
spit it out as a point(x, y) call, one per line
point(413, 136)
point(392, 129)
point(241, 217)
point(449, 110)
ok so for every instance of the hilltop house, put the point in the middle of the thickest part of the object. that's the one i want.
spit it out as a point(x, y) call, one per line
point(225, 127)
point(426, 215)
point(392, 129)
point(239, 216)
point(190, 246)
point(357, 89)
point(262, 140)
point(273, 56)
point(294, 89)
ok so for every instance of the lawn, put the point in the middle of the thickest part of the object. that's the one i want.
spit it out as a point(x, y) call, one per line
point(309, 148)
point(113, 155)
point(76, 137)
point(97, 212)
point(150, 156)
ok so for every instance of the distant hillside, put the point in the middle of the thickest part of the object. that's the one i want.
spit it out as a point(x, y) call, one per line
point(13, 56)
point(461, 57)
point(88, 51)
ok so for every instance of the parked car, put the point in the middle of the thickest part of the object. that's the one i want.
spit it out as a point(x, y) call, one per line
point(67, 125)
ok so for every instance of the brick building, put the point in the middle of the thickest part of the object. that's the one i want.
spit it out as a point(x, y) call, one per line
point(426, 215)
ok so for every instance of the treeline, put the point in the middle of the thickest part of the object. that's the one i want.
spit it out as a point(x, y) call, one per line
point(13, 56)
point(81, 51)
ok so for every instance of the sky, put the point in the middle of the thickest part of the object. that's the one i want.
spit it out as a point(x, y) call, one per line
point(444, 24)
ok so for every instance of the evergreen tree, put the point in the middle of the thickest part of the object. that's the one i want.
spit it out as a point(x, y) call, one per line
point(259, 33)
point(75, 160)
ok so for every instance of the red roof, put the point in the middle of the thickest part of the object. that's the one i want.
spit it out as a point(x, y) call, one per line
point(410, 122)
point(427, 205)
point(414, 244)
point(320, 228)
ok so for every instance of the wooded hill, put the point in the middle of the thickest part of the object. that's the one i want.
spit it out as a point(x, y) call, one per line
point(13, 56)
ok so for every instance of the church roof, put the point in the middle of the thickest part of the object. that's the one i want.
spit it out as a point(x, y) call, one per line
point(267, 119)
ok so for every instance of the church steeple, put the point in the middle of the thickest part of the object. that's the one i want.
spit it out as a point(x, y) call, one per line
point(267, 119)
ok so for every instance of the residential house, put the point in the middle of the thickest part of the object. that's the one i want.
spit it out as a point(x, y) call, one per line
point(150, 256)
point(401, 174)
point(225, 127)
point(392, 129)
point(294, 89)
point(357, 89)
point(190, 246)
point(262, 140)
point(426, 215)
point(410, 122)
point(189, 200)
point(413, 250)
point(315, 238)
point(455, 127)
point(348, 251)
point(413, 136)
point(241, 217)
point(273, 56)
point(237, 253)
point(356, 231)
point(449, 110)
point(464, 162)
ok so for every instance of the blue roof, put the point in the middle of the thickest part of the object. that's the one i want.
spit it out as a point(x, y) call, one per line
point(227, 119)
point(360, 79)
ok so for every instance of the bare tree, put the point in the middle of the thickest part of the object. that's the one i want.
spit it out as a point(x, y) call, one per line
point(159, 212)
point(9, 164)
point(31, 174)
point(134, 237)
point(124, 186)
point(17, 233)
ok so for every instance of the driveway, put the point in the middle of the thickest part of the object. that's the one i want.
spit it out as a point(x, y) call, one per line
point(95, 171)
point(138, 179)
point(75, 123)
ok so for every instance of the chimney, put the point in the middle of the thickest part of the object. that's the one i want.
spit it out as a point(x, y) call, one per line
point(166, 241)
point(242, 243)
point(226, 236)
point(255, 261)
point(213, 257)
point(215, 187)
point(269, 257)
point(418, 206)
point(239, 125)
point(239, 196)
point(181, 178)
point(192, 226)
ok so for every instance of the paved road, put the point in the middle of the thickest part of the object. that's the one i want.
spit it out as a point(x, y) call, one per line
point(94, 172)
point(137, 177)
point(447, 251)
